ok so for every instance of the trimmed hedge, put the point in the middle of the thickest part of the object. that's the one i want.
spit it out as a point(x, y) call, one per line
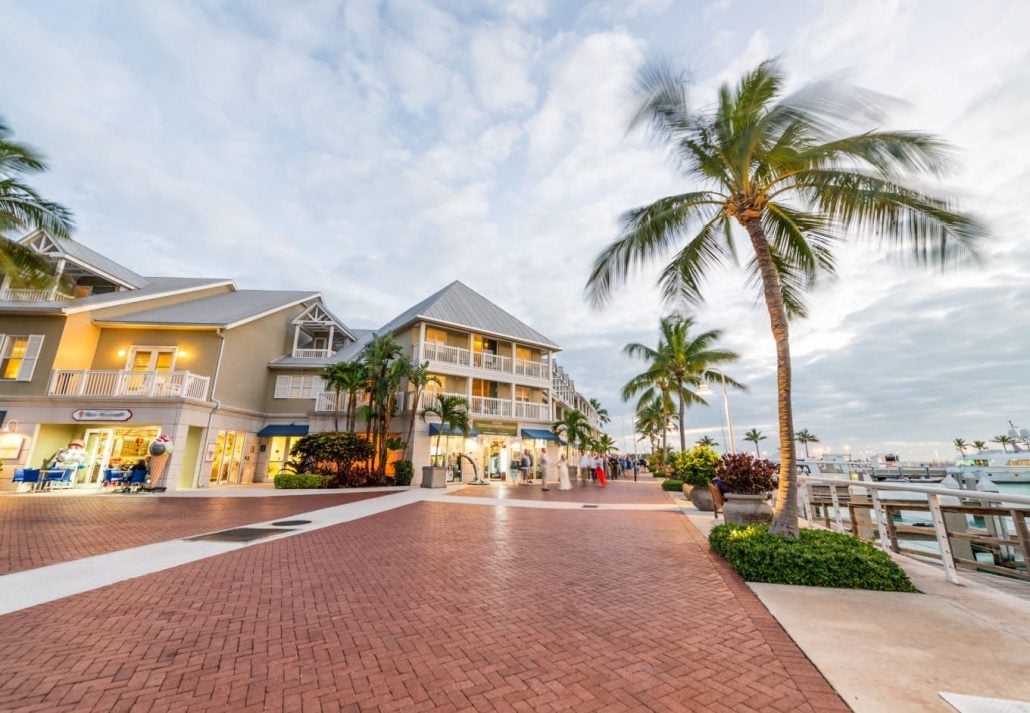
point(819, 558)
point(673, 485)
point(290, 481)
point(403, 472)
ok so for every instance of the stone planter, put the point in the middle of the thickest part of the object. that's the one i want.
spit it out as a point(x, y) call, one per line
point(700, 497)
point(434, 477)
point(747, 509)
point(573, 473)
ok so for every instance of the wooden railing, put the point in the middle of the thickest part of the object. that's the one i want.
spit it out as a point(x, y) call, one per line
point(962, 523)
point(142, 384)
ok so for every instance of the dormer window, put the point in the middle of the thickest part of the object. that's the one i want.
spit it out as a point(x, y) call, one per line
point(317, 334)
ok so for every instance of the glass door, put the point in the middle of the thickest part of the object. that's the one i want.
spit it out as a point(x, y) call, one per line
point(98, 454)
point(226, 466)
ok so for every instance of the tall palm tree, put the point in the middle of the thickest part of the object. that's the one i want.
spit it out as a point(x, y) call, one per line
point(707, 441)
point(574, 426)
point(21, 209)
point(604, 444)
point(788, 171)
point(683, 360)
point(754, 436)
point(419, 378)
point(651, 422)
point(602, 412)
point(960, 445)
point(452, 412)
point(352, 377)
point(804, 438)
point(334, 376)
point(979, 446)
point(1003, 440)
point(385, 370)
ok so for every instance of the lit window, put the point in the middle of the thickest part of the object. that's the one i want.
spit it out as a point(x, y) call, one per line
point(13, 353)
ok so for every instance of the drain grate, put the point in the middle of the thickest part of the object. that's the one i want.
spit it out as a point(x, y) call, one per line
point(238, 534)
point(287, 523)
point(590, 506)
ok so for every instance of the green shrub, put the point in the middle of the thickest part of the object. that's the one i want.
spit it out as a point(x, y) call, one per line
point(672, 485)
point(403, 472)
point(289, 481)
point(695, 467)
point(819, 558)
point(332, 454)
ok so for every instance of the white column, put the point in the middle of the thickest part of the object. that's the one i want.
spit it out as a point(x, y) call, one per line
point(513, 399)
point(513, 353)
point(332, 333)
point(421, 341)
point(296, 338)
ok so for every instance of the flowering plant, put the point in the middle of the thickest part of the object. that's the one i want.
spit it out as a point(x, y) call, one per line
point(744, 474)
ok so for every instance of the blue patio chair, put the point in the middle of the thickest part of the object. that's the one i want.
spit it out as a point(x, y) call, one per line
point(19, 475)
point(63, 480)
point(31, 476)
point(137, 479)
point(112, 477)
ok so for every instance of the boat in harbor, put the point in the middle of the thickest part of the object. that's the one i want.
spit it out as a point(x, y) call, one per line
point(998, 465)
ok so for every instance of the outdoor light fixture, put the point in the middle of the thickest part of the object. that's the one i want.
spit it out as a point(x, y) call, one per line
point(182, 353)
point(122, 352)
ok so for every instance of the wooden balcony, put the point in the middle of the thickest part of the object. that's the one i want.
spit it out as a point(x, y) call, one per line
point(129, 384)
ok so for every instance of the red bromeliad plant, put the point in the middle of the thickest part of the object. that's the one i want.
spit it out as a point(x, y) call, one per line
point(746, 475)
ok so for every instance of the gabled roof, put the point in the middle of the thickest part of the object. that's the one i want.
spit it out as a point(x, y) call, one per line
point(155, 287)
point(226, 310)
point(78, 253)
point(461, 306)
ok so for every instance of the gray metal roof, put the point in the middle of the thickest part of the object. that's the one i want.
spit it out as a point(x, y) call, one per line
point(350, 352)
point(155, 287)
point(460, 305)
point(216, 311)
point(80, 252)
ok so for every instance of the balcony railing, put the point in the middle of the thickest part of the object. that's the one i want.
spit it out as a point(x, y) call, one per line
point(23, 295)
point(312, 353)
point(492, 362)
point(457, 356)
point(531, 411)
point(444, 354)
point(140, 384)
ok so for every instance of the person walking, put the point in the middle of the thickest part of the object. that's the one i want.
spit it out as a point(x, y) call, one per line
point(599, 471)
point(564, 483)
point(544, 463)
point(586, 467)
point(525, 465)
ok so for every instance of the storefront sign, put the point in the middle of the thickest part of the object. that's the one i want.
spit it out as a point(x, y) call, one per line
point(115, 414)
point(496, 428)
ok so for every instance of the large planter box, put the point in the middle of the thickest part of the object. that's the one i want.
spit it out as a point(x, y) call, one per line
point(700, 497)
point(434, 477)
point(747, 509)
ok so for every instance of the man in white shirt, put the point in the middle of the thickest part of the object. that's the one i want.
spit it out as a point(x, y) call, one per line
point(544, 463)
point(586, 464)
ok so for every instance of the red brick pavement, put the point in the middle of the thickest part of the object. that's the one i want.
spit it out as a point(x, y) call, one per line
point(618, 492)
point(37, 530)
point(429, 607)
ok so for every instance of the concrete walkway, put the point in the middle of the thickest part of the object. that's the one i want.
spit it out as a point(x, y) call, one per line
point(886, 651)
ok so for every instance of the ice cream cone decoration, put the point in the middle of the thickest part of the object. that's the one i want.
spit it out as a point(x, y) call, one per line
point(160, 453)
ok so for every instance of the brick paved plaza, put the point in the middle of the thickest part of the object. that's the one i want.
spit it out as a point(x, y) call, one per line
point(430, 606)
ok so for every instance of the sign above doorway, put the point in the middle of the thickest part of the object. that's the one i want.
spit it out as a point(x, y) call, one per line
point(496, 428)
point(116, 414)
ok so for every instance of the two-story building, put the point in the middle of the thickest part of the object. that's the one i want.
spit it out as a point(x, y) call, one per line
point(114, 358)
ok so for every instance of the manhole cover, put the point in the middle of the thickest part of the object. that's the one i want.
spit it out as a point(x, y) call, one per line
point(238, 534)
point(590, 506)
point(287, 523)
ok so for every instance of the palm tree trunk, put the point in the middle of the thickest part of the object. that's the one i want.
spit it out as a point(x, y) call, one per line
point(336, 410)
point(683, 414)
point(409, 448)
point(757, 454)
point(785, 512)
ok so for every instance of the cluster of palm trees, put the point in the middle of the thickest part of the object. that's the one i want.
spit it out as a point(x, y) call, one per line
point(787, 178)
point(575, 429)
point(961, 445)
point(21, 209)
point(676, 369)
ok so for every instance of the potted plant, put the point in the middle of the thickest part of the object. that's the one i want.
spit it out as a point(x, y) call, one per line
point(696, 468)
point(453, 414)
point(749, 481)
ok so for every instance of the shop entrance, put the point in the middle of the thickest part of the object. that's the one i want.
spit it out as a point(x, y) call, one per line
point(227, 464)
point(113, 448)
point(279, 454)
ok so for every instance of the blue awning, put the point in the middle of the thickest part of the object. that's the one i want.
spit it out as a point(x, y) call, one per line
point(283, 429)
point(541, 434)
point(434, 428)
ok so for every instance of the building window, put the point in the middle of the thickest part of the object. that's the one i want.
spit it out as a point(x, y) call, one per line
point(436, 335)
point(18, 356)
point(298, 387)
point(523, 394)
point(152, 358)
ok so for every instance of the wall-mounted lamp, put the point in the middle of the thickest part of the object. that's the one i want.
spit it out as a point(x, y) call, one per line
point(182, 353)
point(122, 352)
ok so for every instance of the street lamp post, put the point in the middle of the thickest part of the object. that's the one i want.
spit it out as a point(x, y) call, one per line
point(704, 391)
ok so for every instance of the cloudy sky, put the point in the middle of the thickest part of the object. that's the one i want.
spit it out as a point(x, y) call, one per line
point(379, 150)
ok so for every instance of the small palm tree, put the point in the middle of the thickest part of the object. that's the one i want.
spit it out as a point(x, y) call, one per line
point(574, 426)
point(605, 444)
point(334, 376)
point(452, 412)
point(1003, 440)
point(979, 446)
point(804, 438)
point(419, 378)
point(21, 208)
point(707, 441)
point(602, 412)
point(754, 436)
point(352, 377)
point(960, 445)
point(790, 173)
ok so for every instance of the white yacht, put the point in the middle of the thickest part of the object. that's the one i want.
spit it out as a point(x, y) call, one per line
point(999, 465)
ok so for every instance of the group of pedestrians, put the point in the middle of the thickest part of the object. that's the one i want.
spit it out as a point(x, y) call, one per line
point(594, 465)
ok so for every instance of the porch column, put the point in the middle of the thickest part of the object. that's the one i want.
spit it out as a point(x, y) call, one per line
point(514, 413)
point(332, 333)
point(513, 353)
point(421, 341)
point(296, 339)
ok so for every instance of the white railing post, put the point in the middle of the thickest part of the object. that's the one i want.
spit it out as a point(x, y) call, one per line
point(835, 499)
point(880, 514)
point(806, 506)
point(941, 530)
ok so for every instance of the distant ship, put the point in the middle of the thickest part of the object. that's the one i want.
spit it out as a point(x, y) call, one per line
point(1000, 466)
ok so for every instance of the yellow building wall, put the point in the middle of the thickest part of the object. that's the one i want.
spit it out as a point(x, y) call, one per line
point(52, 438)
point(198, 350)
point(78, 343)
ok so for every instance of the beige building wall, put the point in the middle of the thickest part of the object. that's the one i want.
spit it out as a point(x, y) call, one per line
point(51, 327)
point(78, 343)
point(244, 374)
point(275, 406)
point(198, 348)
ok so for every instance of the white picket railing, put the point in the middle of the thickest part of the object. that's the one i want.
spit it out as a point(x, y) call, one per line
point(435, 352)
point(491, 362)
point(144, 384)
point(532, 412)
point(25, 295)
point(533, 369)
point(312, 353)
